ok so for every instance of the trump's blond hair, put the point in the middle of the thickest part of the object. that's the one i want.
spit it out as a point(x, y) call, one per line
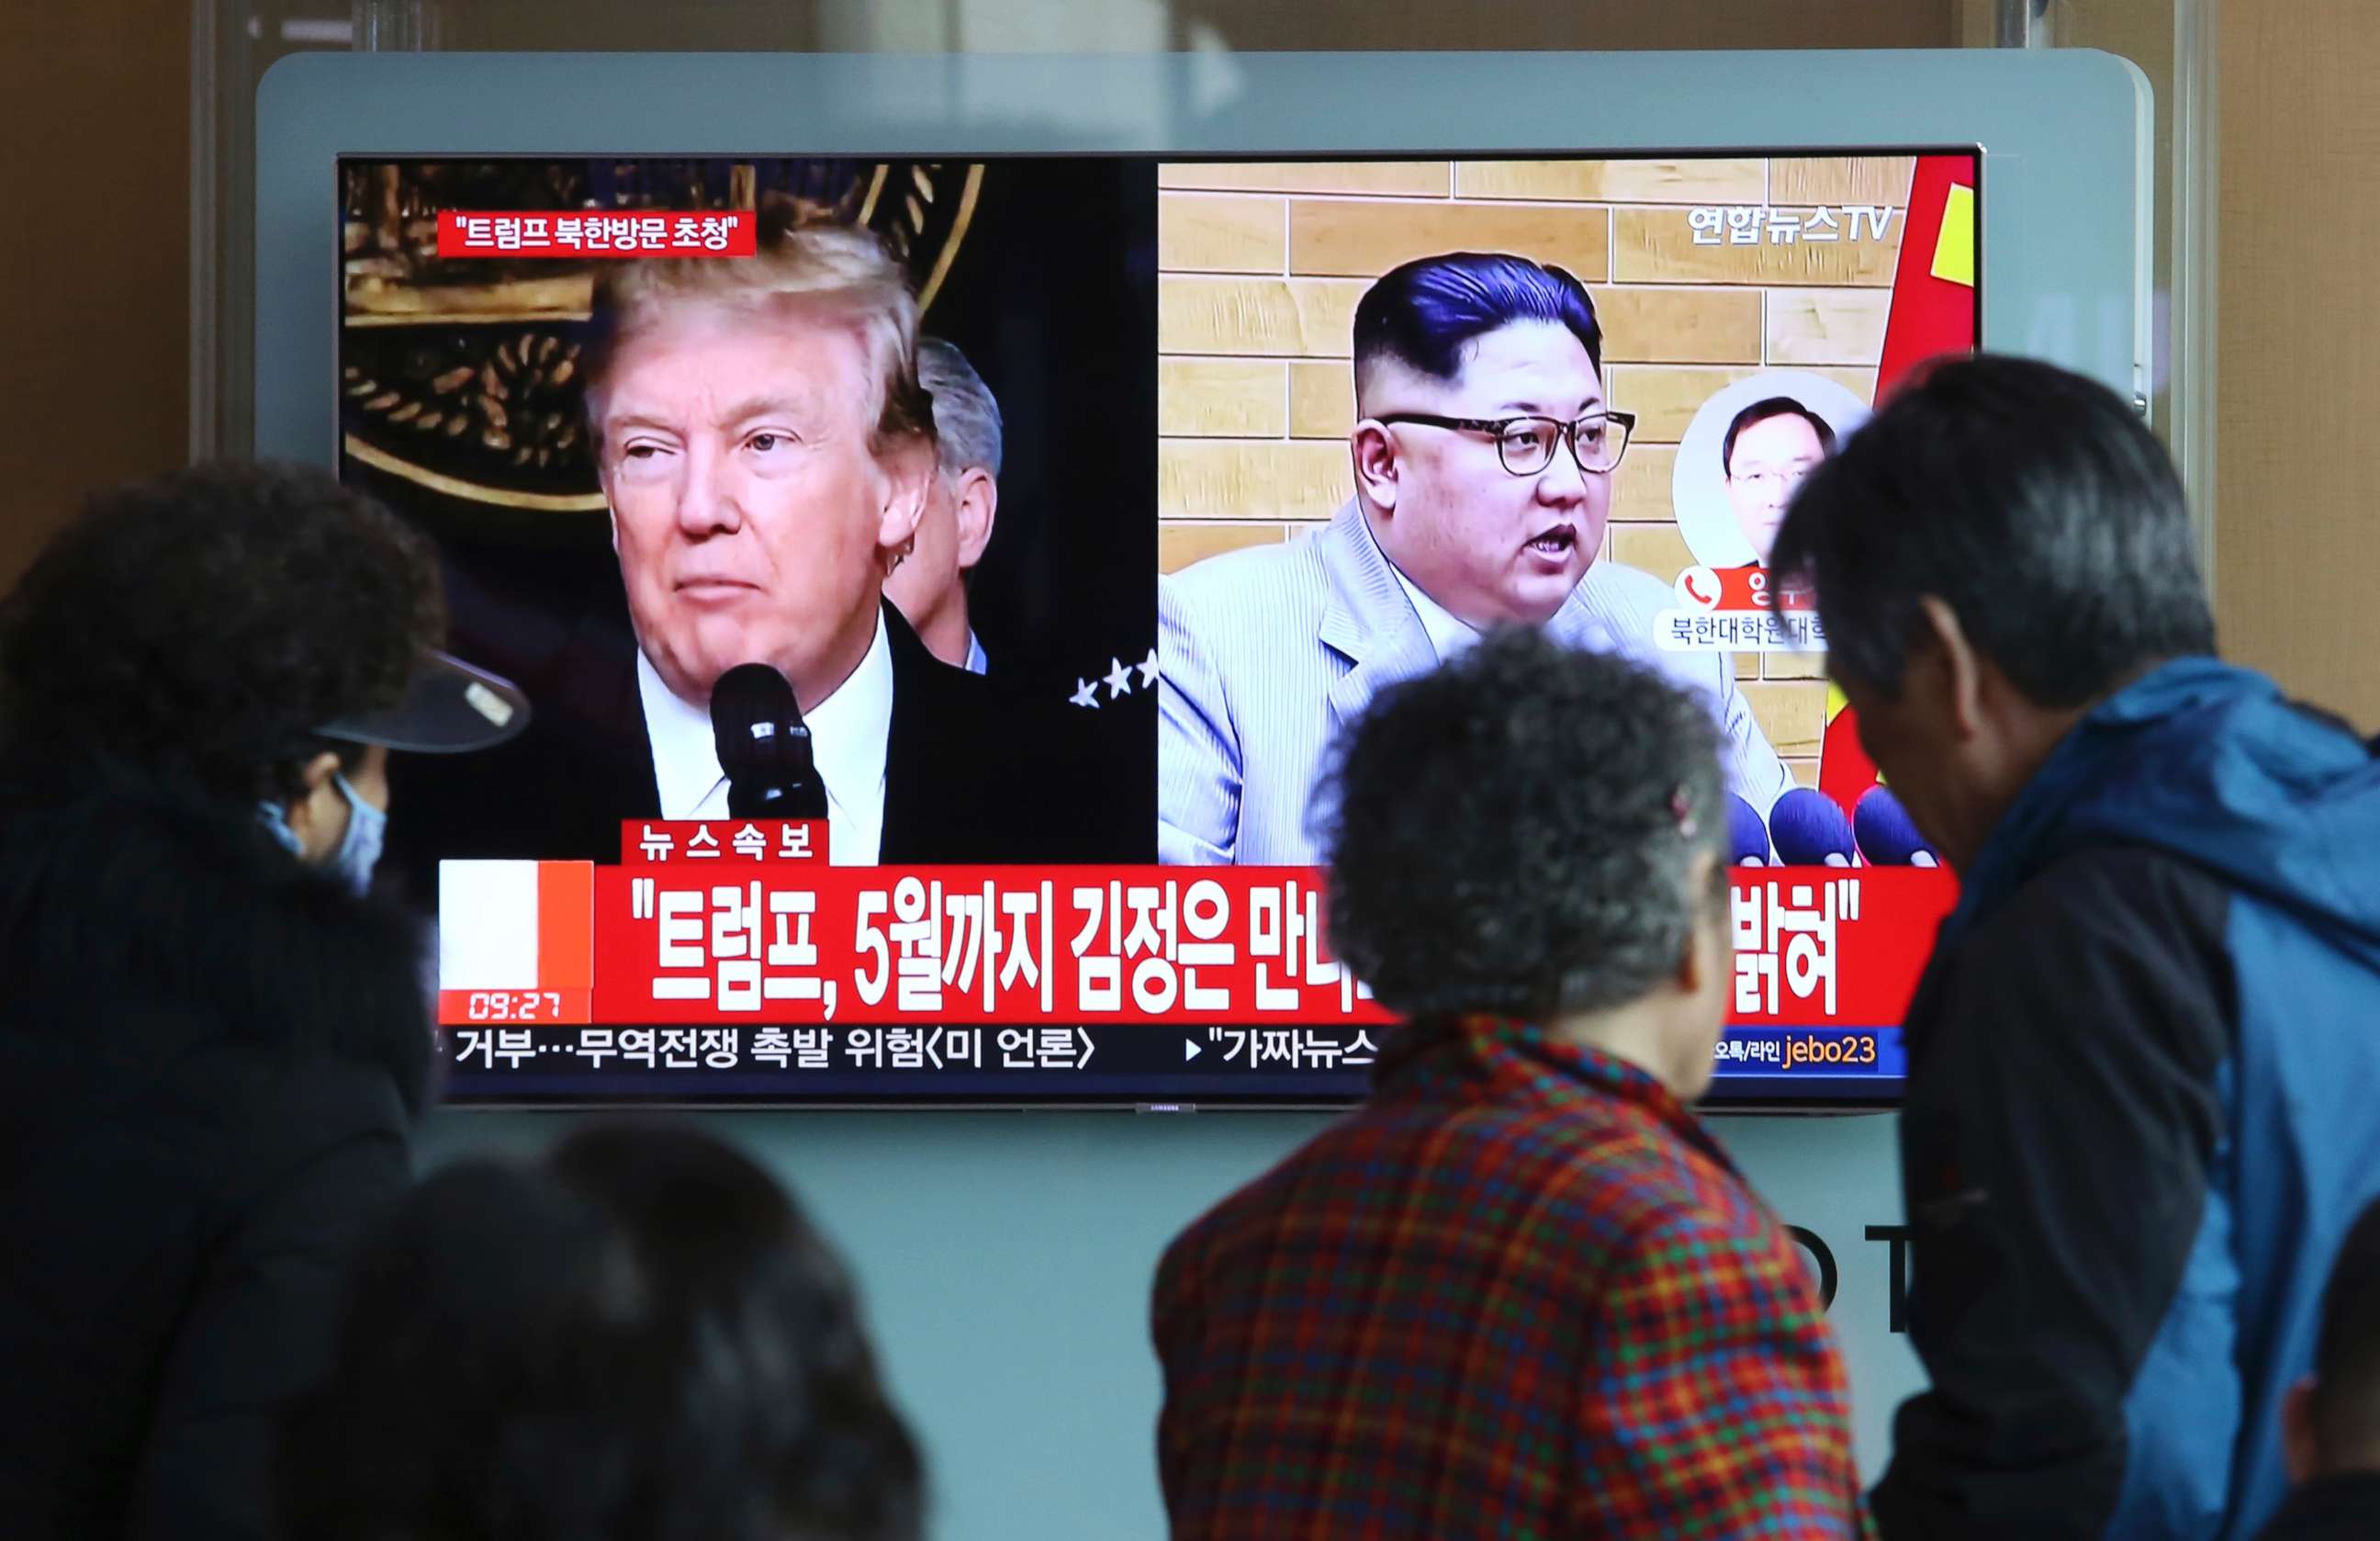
point(843, 270)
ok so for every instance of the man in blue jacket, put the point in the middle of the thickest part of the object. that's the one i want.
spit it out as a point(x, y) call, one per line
point(2143, 1103)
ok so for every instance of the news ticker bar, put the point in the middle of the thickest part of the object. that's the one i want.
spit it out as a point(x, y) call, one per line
point(1120, 1048)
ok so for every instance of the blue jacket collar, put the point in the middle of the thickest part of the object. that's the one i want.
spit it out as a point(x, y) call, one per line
point(2209, 762)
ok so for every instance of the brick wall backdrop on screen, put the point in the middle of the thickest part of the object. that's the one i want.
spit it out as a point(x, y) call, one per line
point(1262, 264)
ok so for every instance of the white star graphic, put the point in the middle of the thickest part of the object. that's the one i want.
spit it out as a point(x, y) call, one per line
point(1086, 693)
point(1147, 667)
point(1119, 678)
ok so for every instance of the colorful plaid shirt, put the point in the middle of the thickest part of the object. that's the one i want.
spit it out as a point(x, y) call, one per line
point(1521, 1292)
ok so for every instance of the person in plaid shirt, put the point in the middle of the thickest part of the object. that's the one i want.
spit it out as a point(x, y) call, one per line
point(1520, 1292)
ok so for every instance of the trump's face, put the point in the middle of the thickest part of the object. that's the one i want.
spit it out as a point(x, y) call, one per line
point(753, 519)
point(1771, 459)
point(1486, 544)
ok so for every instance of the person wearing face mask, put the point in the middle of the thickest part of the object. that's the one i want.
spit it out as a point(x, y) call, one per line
point(213, 1040)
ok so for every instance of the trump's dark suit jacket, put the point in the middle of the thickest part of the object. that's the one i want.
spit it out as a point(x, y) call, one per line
point(972, 771)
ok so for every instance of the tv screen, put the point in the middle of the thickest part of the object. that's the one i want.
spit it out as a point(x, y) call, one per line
point(1022, 807)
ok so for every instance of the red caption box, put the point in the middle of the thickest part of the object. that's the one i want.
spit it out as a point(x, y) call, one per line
point(721, 233)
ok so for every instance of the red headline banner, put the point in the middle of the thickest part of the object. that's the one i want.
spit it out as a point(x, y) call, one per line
point(720, 233)
point(1826, 946)
point(776, 938)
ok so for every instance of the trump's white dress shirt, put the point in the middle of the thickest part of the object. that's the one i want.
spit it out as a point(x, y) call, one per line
point(847, 737)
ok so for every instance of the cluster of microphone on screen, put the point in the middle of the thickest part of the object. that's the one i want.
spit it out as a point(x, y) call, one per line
point(1806, 827)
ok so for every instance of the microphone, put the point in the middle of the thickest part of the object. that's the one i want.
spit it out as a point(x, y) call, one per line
point(757, 727)
point(1747, 837)
point(1810, 831)
point(1887, 836)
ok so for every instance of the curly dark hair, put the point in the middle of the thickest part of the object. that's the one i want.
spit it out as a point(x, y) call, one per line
point(206, 622)
point(639, 1336)
point(1505, 833)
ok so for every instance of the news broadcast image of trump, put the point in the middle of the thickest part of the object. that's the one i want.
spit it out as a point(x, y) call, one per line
point(658, 471)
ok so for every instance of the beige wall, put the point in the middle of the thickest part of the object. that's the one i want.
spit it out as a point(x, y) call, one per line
point(2297, 512)
point(1260, 266)
point(95, 126)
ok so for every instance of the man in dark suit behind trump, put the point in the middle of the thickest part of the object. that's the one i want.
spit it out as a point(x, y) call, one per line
point(767, 451)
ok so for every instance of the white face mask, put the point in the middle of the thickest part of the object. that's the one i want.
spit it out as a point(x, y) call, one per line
point(359, 848)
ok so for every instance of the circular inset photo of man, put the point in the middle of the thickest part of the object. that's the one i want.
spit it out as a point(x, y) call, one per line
point(1746, 452)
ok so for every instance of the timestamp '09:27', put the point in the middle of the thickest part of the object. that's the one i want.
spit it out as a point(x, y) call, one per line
point(516, 1005)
